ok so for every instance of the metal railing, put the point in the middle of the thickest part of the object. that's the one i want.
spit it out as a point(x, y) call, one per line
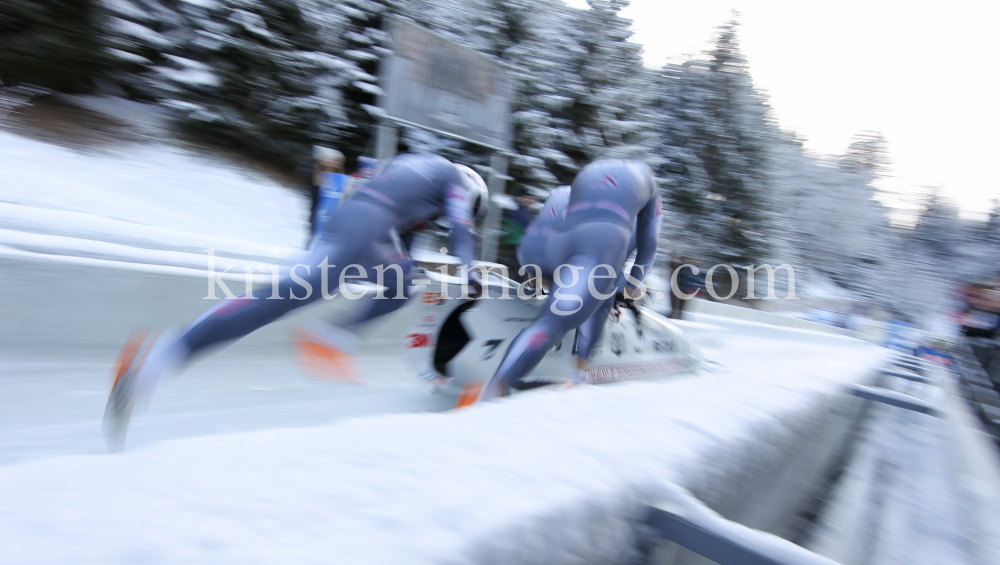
point(687, 522)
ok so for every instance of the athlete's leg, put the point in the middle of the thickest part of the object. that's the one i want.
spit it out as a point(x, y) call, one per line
point(589, 334)
point(237, 317)
point(325, 348)
point(584, 249)
point(346, 241)
point(390, 267)
point(532, 257)
point(566, 308)
point(232, 319)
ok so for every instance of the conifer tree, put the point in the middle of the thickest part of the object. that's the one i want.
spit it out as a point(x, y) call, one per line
point(533, 37)
point(358, 40)
point(249, 81)
point(717, 160)
point(55, 44)
point(938, 226)
point(611, 115)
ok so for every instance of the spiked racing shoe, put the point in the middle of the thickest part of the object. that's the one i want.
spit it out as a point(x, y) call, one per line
point(118, 411)
point(577, 378)
point(144, 360)
point(325, 351)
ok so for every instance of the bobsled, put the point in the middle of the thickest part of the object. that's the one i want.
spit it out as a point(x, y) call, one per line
point(457, 343)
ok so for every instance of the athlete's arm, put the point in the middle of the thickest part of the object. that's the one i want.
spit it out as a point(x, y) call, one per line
point(647, 230)
point(458, 209)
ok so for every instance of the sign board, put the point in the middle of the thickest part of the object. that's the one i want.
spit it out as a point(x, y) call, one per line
point(432, 82)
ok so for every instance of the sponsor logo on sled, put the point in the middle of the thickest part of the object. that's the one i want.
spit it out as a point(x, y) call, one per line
point(413, 341)
point(664, 346)
point(491, 348)
point(617, 343)
point(432, 298)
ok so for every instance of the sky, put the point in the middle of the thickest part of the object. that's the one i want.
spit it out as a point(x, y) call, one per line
point(922, 73)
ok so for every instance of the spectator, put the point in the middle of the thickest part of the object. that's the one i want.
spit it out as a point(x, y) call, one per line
point(325, 160)
point(366, 168)
point(360, 176)
point(514, 224)
point(687, 283)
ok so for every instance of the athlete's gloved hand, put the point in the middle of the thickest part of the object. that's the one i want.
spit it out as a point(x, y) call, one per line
point(622, 299)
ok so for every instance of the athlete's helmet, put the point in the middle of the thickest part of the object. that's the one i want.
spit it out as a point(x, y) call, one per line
point(480, 195)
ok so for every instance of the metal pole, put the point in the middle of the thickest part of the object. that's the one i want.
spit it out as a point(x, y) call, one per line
point(386, 136)
point(491, 227)
point(894, 398)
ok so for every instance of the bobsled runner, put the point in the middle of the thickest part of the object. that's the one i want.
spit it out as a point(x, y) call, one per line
point(457, 343)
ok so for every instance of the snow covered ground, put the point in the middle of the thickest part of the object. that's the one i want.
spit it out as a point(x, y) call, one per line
point(471, 486)
point(96, 242)
point(52, 408)
point(156, 195)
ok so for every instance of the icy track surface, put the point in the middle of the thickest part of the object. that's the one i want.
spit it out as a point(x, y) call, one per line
point(543, 477)
point(53, 407)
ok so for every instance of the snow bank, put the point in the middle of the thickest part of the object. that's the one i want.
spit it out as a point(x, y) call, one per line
point(61, 246)
point(706, 308)
point(155, 191)
point(545, 477)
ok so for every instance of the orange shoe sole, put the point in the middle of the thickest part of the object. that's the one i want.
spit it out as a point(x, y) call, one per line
point(127, 357)
point(322, 361)
point(470, 394)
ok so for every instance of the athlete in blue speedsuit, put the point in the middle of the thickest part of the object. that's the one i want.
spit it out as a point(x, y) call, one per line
point(584, 253)
point(531, 252)
point(412, 189)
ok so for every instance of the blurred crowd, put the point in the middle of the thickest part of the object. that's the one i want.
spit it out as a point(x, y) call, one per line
point(977, 307)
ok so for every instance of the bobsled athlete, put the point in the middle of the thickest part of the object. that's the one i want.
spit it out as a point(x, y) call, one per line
point(584, 253)
point(532, 252)
point(411, 190)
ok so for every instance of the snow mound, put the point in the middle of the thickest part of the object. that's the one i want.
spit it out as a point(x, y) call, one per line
point(148, 195)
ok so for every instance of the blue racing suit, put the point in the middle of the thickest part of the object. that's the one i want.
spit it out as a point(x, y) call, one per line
point(584, 254)
point(532, 249)
point(357, 238)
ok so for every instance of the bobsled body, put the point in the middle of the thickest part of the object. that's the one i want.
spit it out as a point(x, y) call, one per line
point(457, 342)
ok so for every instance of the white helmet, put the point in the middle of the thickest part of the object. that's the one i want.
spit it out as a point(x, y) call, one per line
point(476, 187)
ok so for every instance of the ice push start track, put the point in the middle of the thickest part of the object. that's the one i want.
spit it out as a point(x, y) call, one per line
point(547, 477)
